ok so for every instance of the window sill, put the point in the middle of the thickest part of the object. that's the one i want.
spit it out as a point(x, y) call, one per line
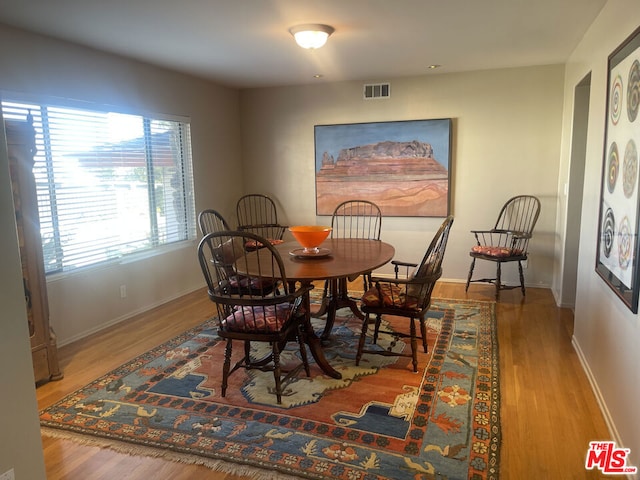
point(125, 260)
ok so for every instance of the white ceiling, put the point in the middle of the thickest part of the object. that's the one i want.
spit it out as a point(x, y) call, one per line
point(246, 43)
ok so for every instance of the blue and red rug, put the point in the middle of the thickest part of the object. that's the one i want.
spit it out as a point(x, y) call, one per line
point(380, 421)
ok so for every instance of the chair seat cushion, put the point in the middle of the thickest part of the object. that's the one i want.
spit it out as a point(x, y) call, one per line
point(253, 244)
point(389, 295)
point(268, 319)
point(492, 251)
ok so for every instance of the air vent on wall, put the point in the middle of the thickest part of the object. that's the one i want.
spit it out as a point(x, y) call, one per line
point(377, 90)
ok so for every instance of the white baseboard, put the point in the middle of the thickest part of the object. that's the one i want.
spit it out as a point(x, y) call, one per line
point(613, 431)
point(596, 390)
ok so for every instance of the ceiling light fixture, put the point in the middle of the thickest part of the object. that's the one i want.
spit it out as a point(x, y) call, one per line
point(311, 35)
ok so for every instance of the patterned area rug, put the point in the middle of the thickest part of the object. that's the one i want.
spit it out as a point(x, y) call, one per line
point(380, 421)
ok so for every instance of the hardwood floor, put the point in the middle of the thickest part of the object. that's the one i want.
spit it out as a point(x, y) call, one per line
point(549, 412)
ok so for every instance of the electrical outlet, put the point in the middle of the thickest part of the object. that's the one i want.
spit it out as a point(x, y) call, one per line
point(525, 263)
point(8, 475)
point(123, 294)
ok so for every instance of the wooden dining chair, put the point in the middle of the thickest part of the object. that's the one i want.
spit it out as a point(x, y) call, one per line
point(507, 241)
point(350, 219)
point(407, 296)
point(249, 312)
point(257, 213)
point(356, 219)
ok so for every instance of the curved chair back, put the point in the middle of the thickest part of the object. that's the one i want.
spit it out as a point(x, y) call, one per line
point(257, 213)
point(210, 221)
point(519, 216)
point(430, 268)
point(356, 219)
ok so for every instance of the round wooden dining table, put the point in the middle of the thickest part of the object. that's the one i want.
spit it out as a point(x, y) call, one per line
point(344, 257)
point(340, 258)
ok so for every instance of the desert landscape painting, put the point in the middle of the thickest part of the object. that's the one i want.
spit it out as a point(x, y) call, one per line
point(401, 166)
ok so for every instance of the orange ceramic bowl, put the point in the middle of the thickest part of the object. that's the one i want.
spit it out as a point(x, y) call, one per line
point(310, 236)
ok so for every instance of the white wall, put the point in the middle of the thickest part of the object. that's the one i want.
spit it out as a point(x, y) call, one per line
point(84, 302)
point(20, 445)
point(606, 333)
point(511, 134)
point(506, 141)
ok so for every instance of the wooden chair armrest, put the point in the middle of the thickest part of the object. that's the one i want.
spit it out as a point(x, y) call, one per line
point(403, 264)
point(298, 296)
point(397, 264)
point(302, 290)
point(499, 237)
point(283, 229)
point(275, 228)
point(261, 225)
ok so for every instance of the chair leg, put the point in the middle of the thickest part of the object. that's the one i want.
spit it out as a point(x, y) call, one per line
point(521, 277)
point(303, 351)
point(363, 334)
point(473, 264)
point(331, 296)
point(277, 374)
point(226, 366)
point(414, 345)
point(423, 332)
point(498, 284)
point(376, 329)
point(365, 281)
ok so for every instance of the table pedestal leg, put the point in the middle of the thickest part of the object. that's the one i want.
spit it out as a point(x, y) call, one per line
point(338, 297)
point(312, 340)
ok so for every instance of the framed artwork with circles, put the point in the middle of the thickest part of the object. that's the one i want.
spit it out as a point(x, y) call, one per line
point(618, 246)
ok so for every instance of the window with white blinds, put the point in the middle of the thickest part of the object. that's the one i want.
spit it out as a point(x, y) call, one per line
point(109, 184)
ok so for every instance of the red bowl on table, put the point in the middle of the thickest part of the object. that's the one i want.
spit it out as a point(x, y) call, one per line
point(310, 236)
